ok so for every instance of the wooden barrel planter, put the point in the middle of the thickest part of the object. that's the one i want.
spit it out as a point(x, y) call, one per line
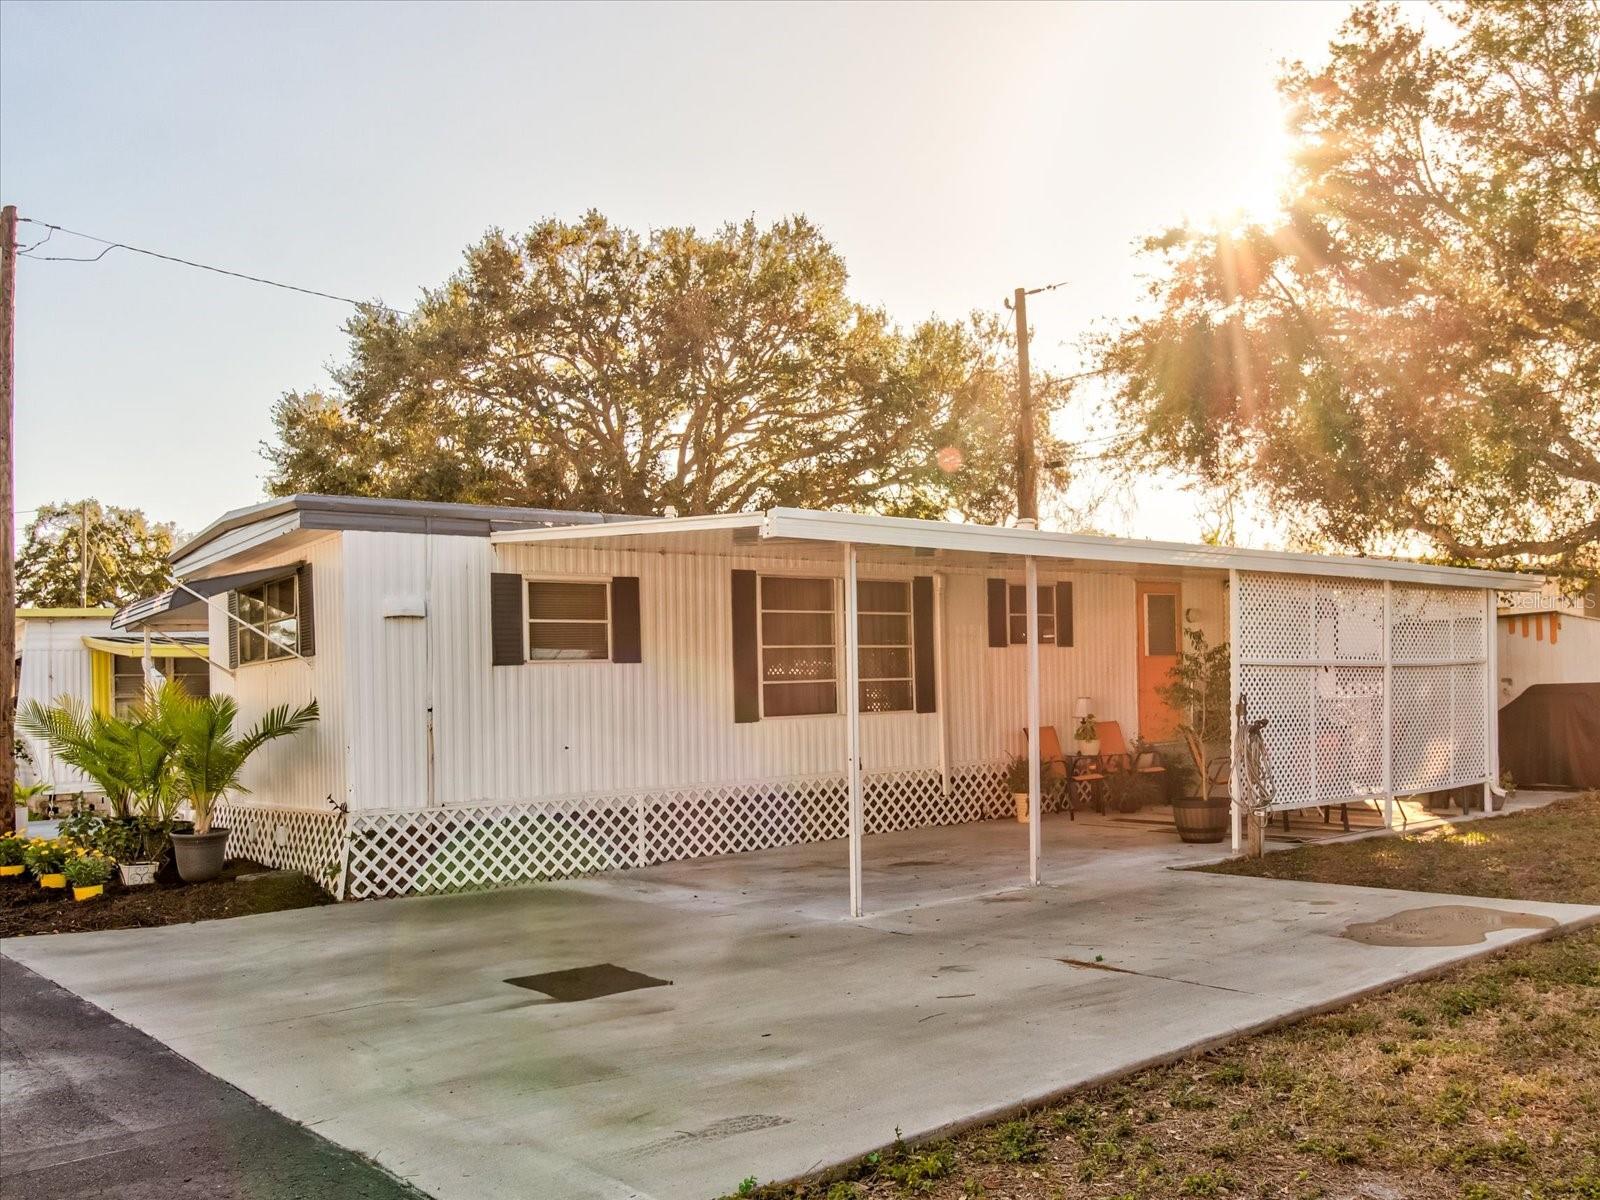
point(1201, 819)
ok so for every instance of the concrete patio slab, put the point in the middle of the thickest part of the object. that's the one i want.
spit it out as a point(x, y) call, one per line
point(789, 1039)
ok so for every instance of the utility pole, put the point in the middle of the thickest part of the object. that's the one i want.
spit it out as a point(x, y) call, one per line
point(83, 555)
point(8, 501)
point(1027, 475)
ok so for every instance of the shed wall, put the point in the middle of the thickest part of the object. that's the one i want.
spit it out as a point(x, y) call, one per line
point(55, 663)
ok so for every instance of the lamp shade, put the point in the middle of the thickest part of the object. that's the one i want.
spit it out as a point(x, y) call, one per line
point(1083, 707)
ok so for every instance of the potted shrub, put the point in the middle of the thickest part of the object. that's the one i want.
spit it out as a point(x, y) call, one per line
point(87, 872)
point(1017, 784)
point(207, 757)
point(1129, 791)
point(1199, 688)
point(44, 857)
point(22, 795)
point(11, 863)
point(1087, 735)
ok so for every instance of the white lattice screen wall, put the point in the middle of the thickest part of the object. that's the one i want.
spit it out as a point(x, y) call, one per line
point(465, 847)
point(1316, 656)
point(290, 839)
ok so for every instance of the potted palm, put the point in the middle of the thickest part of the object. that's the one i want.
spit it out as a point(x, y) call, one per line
point(1087, 735)
point(1198, 687)
point(1017, 784)
point(207, 758)
point(129, 759)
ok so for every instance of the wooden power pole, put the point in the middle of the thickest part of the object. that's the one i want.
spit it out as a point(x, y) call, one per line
point(8, 501)
point(1027, 475)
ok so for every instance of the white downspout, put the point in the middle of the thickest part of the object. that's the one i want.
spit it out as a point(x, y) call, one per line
point(941, 693)
point(1491, 670)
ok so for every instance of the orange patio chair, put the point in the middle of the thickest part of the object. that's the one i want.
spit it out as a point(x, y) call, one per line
point(1055, 769)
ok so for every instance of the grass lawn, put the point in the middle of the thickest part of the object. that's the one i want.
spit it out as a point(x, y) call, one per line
point(1482, 1083)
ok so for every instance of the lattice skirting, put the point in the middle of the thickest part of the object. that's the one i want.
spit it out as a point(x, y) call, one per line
point(290, 839)
point(468, 847)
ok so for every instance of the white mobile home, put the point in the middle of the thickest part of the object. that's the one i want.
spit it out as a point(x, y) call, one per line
point(74, 653)
point(513, 694)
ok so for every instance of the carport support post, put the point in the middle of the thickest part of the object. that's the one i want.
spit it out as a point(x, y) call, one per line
point(1491, 723)
point(1235, 803)
point(1034, 806)
point(852, 719)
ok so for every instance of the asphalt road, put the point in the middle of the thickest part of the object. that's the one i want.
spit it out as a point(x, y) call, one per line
point(92, 1107)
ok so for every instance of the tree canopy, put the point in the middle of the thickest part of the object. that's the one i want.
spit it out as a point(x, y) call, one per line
point(127, 555)
point(586, 366)
point(1415, 349)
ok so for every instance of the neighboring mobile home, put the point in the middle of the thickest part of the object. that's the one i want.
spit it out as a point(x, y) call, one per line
point(74, 653)
point(513, 694)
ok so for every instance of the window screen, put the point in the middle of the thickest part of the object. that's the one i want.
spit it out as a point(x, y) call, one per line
point(799, 673)
point(273, 609)
point(568, 621)
point(1017, 613)
point(1160, 623)
point(885, 636)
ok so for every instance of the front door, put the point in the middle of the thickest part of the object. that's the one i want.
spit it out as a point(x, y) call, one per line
point(1160, 628)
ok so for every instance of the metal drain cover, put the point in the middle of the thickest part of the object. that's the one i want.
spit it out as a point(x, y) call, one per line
point(587, 983)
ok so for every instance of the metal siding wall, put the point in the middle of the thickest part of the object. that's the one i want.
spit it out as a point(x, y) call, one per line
point(388, 657)
point(55, 663)
point(304, 771)
point(568, 729)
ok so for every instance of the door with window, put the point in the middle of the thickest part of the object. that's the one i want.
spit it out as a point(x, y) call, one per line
point(1160, 633)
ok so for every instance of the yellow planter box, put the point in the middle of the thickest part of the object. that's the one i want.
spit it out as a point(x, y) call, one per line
point(53, 881)
point(13, 869)
point(88, 893)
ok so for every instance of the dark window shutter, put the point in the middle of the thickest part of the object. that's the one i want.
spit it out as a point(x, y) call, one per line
point(746, 654)
point(1063, 614)
point(922, 650)
point(625, 646)
point(305, 599)
point(997, 613)
point(233, 629)
point(507, 637)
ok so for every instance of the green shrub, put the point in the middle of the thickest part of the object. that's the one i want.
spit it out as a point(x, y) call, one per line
point(87, 868)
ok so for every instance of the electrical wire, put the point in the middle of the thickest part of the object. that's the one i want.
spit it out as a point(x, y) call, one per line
point(185, 262)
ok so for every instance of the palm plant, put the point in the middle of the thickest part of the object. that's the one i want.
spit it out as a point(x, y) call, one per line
point(207, 756)
point(106, 749)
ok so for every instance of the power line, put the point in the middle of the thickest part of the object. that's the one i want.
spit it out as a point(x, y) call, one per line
point(185, 262)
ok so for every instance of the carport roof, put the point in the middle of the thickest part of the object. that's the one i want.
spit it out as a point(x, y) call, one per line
point(783, 531)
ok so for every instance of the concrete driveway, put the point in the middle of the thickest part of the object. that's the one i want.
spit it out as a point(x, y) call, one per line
point(788, 1039)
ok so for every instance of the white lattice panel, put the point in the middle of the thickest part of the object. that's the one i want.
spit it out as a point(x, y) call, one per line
point(464, 848)
point(289, 839)
point(1275, 617)
point(1312, 661)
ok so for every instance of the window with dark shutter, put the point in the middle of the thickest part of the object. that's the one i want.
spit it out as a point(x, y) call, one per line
point(568, 621)
point(306, 597)
point(884, 625)
point(1017, 614)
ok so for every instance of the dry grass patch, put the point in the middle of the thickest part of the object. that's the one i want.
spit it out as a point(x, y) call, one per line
point(1479, 1085)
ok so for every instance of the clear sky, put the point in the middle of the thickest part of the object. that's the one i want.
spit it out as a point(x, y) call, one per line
point(951, 152)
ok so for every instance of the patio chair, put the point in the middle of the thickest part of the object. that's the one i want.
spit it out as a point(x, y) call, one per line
point(1055, 769)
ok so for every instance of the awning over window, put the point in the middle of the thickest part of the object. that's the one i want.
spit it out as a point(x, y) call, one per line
point(178, 600)
point(132, 645)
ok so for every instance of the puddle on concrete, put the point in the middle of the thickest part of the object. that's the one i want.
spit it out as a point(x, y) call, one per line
point(1442, 925)
point(587, 983)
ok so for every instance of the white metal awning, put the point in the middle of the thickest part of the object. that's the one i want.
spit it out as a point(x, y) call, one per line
point(784, 530)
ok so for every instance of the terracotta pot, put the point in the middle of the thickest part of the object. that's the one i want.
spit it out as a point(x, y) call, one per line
point(1201, 819)
point(199, 856)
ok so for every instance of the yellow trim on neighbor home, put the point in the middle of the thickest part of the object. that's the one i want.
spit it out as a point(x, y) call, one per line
point(62, 614)
point(136, 650)
point(100, 681)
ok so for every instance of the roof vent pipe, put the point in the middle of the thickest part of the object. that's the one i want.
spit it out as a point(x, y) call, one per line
point(670, 512)
point(1027, 523)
